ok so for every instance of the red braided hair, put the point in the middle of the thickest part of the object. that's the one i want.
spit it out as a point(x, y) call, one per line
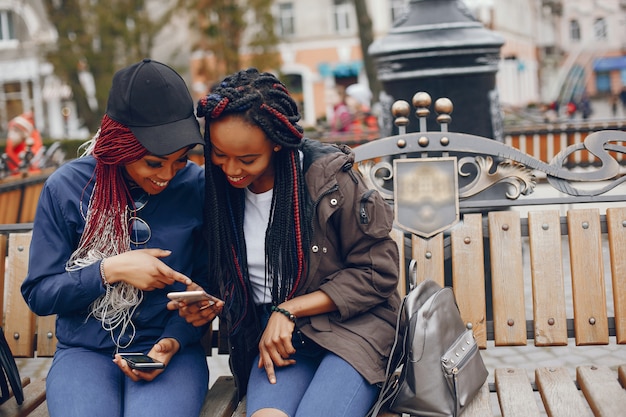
point(115, 146)
point(283, 120)
point(297, 226)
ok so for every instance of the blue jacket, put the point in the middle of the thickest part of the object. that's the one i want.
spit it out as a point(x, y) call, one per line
point(175, 219)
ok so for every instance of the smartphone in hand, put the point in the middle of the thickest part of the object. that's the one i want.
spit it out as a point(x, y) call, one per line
point(191, 297)
point(141, 361)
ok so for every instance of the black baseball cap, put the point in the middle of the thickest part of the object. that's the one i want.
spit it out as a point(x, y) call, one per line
point(153, 101)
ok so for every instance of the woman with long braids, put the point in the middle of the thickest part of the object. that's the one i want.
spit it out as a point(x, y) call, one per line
point(302, 251)
point(114, 232)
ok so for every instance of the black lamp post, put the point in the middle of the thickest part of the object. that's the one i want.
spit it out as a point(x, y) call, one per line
point(440, 48)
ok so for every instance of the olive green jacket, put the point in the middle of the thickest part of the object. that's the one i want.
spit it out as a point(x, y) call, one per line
point(353, 260)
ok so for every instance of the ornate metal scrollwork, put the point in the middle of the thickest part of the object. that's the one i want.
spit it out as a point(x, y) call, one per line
point(520, 179)
point(376, 175)
point(484, 163)
point(599, 144)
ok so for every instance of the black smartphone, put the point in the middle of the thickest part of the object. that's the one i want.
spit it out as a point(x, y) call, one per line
point(141, 361)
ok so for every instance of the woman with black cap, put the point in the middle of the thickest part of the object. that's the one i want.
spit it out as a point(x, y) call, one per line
point(115, 231)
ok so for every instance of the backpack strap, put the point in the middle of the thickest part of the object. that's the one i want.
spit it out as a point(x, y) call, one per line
point(398, 352)
point(9, 371)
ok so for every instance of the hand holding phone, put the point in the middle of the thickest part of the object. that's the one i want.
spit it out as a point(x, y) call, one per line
point(141, 362)
point(190, 297)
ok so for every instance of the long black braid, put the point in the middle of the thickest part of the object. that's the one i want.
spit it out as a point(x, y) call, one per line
point(261, 99)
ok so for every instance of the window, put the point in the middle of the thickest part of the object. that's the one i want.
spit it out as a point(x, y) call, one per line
point(603, 82)
point(342, 11)
point(293, 82)
point(398, 9)
point(7, 29)
point(574, 30)
point(285, 20)
point(599, 28)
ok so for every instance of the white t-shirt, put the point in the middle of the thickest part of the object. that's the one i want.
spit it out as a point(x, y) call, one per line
point(256, 219)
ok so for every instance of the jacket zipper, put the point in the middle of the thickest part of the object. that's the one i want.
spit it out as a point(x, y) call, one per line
point(362, 212)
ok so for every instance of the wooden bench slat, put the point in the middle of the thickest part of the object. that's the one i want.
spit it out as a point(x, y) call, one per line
point(507, 278)
point(560, 396)
point(616, 218)
point(515, 393)
point(468, 274)
point(588, 288)
point(621, 372)
point(398, 237)
point(241, 409)
point(605, 395)
point(546, 268)
point(29, 202)
point(10, 203)
point(480, 406)
point(46, 336)
point(19, 320)
point(430, 256)
point(221, 400)
point(41, 411)
point(34, 396)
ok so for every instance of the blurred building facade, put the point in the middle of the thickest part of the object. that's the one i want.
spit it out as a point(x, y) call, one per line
point(26, 80)
point(555, 50)
point(319, 49)
point(552, 48)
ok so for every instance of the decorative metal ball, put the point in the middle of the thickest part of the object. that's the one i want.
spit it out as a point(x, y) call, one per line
point(421, 100)
point(444, 106)
point(400, 108)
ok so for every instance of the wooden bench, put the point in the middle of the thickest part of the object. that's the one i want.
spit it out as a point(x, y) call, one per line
point(536, 259)
point(19, 196)
point(28, 335)
point(25, 333)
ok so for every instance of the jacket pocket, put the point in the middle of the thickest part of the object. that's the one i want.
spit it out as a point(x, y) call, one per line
point(374, 214)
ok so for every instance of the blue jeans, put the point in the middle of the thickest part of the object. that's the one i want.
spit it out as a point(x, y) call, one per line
point(323, 385)
point(83, 383)
point(320, 383)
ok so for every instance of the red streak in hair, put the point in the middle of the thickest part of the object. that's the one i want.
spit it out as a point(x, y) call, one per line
point(283, 119)
point(298, 227)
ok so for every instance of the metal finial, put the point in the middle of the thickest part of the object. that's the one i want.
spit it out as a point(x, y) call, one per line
point(422, 99)
point(400, 110)
point(444, 107)
point(422, 102)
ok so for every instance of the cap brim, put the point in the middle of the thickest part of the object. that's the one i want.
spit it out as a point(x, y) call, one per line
point(168, 138)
